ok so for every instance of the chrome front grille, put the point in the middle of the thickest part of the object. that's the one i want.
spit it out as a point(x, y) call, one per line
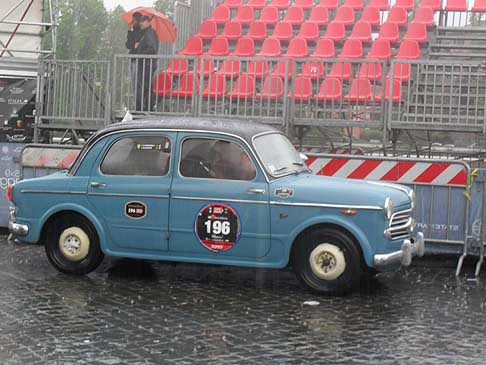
point(400, 224)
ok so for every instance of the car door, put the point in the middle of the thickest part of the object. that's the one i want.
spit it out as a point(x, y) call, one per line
point(219, 203)
point(129, 189)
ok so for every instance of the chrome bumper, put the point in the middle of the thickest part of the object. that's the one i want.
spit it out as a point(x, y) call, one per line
point(18, 229)
point(404, 255)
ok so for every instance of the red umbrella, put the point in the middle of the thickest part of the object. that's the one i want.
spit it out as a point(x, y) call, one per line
point(163, 26)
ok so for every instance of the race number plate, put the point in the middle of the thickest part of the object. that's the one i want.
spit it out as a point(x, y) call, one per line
point(217, 227)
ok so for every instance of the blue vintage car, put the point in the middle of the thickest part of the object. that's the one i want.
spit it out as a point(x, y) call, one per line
point(218, 192)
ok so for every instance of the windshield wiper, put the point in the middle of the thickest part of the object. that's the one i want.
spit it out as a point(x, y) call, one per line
point(297, 163)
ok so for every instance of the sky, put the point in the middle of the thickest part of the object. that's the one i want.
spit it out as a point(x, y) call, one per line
point(127, 4)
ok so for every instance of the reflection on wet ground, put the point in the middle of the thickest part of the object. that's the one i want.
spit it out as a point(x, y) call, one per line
point(133, 311)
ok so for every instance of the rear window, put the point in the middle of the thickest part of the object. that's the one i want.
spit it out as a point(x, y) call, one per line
point(138, 156)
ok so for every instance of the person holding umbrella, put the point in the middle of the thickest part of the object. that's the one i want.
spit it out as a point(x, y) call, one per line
point(134, 35)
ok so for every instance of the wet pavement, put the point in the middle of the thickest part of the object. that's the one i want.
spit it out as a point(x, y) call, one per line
point(149, 312)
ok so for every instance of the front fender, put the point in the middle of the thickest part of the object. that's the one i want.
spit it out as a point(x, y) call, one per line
point(78, 209)
point(352, 228)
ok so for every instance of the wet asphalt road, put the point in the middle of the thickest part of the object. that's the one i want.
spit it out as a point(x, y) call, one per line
point(148, 312)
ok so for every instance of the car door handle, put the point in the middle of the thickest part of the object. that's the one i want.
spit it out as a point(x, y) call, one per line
point(95, 184)
point(256, 191)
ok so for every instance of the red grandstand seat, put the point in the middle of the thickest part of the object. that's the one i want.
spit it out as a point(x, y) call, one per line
point(280, 4)
point(329, 4)
point(324, 49)
point(352, 48)
point(233, 3)
point(281, 66)
point(361, 31)
point(341, 70)
point(216, 86)
point(319, 15)
point(379, 4)
point(401, 71)
point(360, 91)
point(193, 46)
point(188, 86)
point(232, 30)
point(335, 31)
point(424, 16)
point(273, 88)
point(397, 92)
point(304, 4)
point(309, 31)
point(313, 69)
point(205, 67)
point(257, 30)
point(177, 66)
point(208, 29)
point(302, 89)
point(435, 5)
point(479, 6)
point(416, 32)
point(243, 88)
point(270, 48)
point(456, 5)
point(344, 15)
point(380, 50)
point(245, 47)
point(371, 71)
point(230, 68)
point(409, 50)
point(244, 14)
point(371, 15)
point(257, 4)
point(330, 90)
point(297, 48)
point(258, 69)
point(354, 4)
point(219, 47)
point(162, 84)
point(389, 32)
point(294, 15)
point(405, 4)
point(398, 16)
point(269, 15)
point(283, 31)
point(221, 14)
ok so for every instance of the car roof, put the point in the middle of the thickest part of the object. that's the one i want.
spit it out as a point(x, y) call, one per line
point(246, 129)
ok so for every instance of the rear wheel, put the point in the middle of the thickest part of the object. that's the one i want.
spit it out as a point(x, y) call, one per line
point(328, 261)
point(72, 245)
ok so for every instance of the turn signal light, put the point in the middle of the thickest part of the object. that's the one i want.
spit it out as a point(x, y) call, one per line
point(9, 192)
point(349, 212)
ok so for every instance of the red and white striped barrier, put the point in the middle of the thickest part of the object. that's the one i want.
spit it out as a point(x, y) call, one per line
point(49, 157)
point(400, 171)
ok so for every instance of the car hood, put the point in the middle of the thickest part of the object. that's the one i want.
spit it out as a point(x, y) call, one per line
point(308, 188)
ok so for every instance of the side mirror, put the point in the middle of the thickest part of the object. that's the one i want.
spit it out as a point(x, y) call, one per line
point(303, 157)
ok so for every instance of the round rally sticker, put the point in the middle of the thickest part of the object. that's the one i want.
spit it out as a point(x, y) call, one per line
point(217, 227)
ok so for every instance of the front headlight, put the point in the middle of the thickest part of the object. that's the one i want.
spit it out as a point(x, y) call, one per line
point(411, 196)
point(388, 208)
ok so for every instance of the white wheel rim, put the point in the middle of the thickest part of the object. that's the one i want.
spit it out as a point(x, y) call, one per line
point(327, 261)
point(74, 244)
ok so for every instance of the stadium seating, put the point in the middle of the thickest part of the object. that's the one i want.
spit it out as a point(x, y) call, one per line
point(282, 69)
point(371, 71)
point(329, 90)
point(345, 16)
point(233, 3)
point(361, 31)
point(360, 91)
point(230, 68)
point(304, 4)
point(243, 88)
point(244, 15)
point(177, 66)
point(319, 15)
point(208, 29)
point(221, 14)
point(188, 86)
point(162, 84)
point(313, 70)
point(371, 15)
point(294, 15)
point(397, 92)
point(424, 15)
point(379, 4)
point(380, 50)
point(398, 16)
point(416, 32)
point(297, 48)
point(329, 4)
point(405, 4)
point(324, 49)
point(258, 69)
point(401, 71)
point(389, 32)
point(283, 31)
point(257, 30)
point(409, 50)
point(352, 48)
point(273, 88)
point(232, 30)
point(280, 4)
point(309, 31)
point(219, 47)
point(354, 4)
point(479, 6)
point(206, 68)
point(257, 4)
point(193, 46)
point(270, 48)
point(215, 87)
point(341, 70)
point(302, 89)
point(335, 32)
point(269, 15)
point(435, 5)
point(245, 47)
point(456, 5)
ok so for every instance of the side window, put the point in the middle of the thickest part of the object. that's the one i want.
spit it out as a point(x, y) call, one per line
point(138, 156)
point(215, 159)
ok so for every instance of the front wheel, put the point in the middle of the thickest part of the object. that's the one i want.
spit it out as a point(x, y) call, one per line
point(328, 261)
point(72, 245)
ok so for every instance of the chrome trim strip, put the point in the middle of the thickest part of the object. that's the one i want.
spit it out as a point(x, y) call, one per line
point(53, 192)
point(391, 186)
point(336, 206)
point(220, 200)
point(131, 195)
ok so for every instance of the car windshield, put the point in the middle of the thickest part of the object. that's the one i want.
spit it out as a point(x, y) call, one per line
point(279, 155)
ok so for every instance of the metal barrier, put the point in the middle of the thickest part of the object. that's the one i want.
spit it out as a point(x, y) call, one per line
point(442, 209)
point(443, 96)
point(462, 19)
point(43, 159)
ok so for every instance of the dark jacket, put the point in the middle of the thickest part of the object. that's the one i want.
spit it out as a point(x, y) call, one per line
point(149, 43)
point(133, 36)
